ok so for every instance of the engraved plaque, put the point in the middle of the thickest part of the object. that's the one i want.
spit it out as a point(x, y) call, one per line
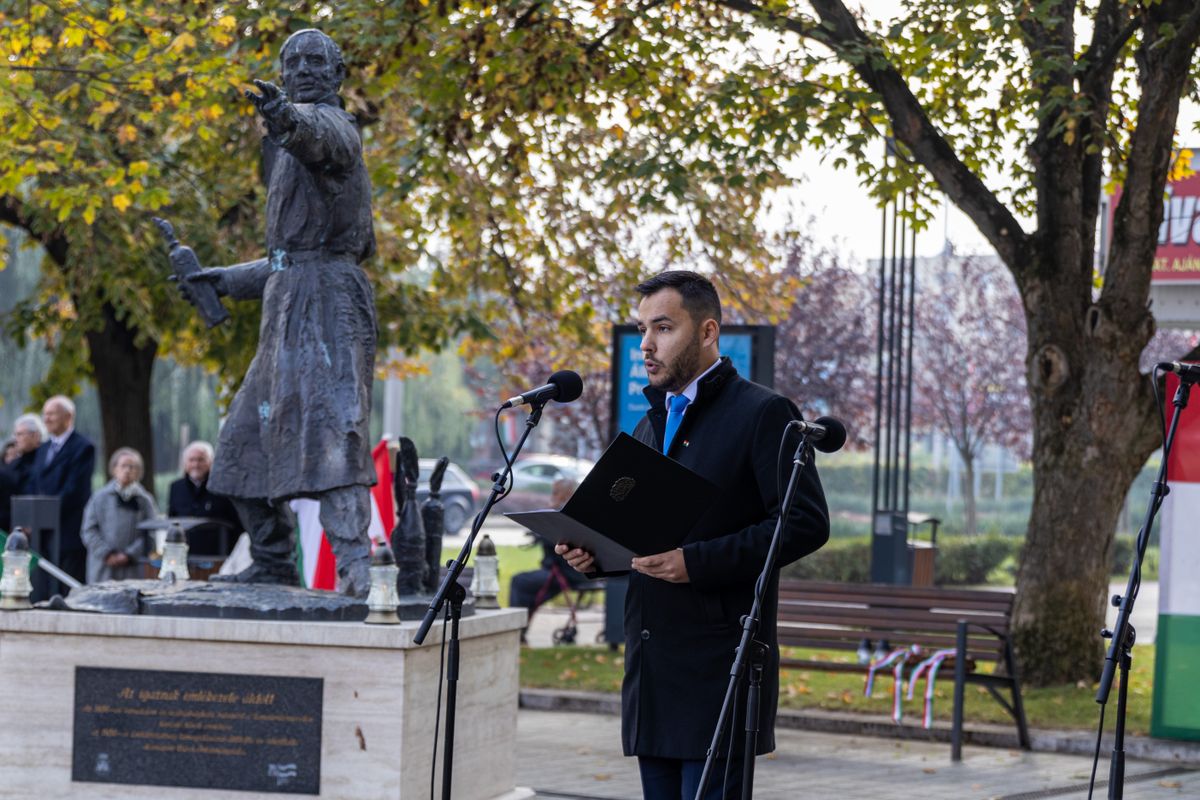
point(197, 729)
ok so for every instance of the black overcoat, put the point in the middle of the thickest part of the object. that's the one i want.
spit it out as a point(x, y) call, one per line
point(681, 637)
point(68, 476)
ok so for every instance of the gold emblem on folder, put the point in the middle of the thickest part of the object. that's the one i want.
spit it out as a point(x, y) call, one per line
point(621, 488)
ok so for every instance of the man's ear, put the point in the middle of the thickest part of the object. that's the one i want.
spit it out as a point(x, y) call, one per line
point(711, 331)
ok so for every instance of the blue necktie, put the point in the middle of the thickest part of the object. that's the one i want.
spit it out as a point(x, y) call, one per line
point(675, 407)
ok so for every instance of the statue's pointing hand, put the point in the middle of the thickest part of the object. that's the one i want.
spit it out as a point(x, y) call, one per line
point(274, 107)
point(211, 275)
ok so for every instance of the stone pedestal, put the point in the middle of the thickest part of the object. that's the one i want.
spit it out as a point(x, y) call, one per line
point(83, 696)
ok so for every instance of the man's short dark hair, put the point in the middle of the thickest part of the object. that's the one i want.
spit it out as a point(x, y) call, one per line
point(699, 295)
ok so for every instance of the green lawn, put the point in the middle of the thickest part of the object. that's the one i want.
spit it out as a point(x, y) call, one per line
point(512, 559)
point(1064, 707)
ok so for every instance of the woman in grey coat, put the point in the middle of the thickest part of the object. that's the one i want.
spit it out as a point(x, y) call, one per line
point(110, 519)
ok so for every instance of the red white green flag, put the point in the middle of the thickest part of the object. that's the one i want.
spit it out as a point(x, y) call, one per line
point(318, 567)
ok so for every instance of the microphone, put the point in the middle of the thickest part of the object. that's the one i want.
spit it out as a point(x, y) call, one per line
point(1186, 372)
point(563, 386)
point(827, 434)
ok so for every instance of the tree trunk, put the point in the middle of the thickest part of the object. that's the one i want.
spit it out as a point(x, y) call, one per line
point(121, 368)
point(1094, 427)
point(972, 521)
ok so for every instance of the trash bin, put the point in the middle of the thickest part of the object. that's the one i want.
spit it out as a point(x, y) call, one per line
point(921, 554)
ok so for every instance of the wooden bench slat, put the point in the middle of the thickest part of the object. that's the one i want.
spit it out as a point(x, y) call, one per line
point(883, 618)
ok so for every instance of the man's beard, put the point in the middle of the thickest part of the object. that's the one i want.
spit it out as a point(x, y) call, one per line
point(681, 371)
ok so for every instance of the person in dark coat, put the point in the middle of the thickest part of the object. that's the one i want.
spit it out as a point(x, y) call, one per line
point(8, 487)
point(189, 497)
point(63, 467)
point(28, 432)
point(525, 587)
point(683, 607)
point(299, 424)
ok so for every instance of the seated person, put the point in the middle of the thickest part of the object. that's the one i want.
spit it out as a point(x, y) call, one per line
point(525, 586)
point(110, 520)
point(189, 497)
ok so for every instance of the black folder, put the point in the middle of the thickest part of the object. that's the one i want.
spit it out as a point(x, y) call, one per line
point(634, 502)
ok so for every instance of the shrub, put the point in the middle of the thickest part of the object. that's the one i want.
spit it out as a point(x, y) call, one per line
point(847, 560)
point(963, 561)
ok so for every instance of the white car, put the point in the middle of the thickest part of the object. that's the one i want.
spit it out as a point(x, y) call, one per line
point(534, 476)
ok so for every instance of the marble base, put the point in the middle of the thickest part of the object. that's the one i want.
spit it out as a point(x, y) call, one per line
point(378, 697)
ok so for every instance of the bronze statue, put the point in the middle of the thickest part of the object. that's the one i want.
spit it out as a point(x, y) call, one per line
point(298, 426)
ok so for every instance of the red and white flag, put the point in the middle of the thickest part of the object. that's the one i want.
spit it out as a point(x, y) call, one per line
point(318, 566)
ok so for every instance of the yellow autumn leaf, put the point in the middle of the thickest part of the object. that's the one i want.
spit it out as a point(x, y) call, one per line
point(227, 22)
point(116, 13)
point(73, 37)
point(107, 107)
point(41, 44)
point(121, 202)
point(183, 41)
point(138, 168)
point(89, 215)
point(127, 134)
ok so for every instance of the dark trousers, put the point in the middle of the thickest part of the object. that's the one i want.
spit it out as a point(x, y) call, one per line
point(678, 779)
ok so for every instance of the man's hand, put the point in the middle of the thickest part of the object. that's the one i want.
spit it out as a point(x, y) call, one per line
point(273, 105)
point(668, 566)
point(580, 560)
point(116, 559)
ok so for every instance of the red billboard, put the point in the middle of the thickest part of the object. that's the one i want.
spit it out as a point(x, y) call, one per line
point(1178, 254)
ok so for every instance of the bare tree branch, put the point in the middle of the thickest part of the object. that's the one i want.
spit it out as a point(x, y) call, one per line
point(911, 125)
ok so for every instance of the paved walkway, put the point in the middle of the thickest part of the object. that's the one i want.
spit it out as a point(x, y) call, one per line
point(574, 755)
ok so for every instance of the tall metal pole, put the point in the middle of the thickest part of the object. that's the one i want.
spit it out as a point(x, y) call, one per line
point(912, 298)
point(879, 362)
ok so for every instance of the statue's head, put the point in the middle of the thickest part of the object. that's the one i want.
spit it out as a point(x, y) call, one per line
point(312, 67)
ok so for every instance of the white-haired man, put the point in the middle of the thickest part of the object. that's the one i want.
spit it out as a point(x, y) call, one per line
point(63, 467)
point(189, 497)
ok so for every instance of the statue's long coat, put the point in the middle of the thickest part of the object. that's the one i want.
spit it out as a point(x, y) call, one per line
point(298, 425)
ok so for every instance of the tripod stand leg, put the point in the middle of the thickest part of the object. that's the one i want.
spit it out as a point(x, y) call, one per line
point(1116, 770)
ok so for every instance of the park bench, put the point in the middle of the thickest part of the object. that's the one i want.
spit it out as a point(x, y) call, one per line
point(974, 623)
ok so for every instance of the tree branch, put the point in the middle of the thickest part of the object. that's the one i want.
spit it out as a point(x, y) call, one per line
point(623, 22)
point(12, 212)
point(1164, 70)
point(910, 124)
point(1095, 82)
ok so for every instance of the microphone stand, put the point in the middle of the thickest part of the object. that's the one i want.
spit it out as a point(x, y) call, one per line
point(1123, 635)
point(752, 649)
point(450, 590)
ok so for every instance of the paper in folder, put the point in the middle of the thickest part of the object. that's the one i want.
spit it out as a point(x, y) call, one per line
point(634, 502)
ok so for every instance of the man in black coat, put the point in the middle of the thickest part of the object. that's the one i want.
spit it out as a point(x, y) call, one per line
point(63, 467)
point(189, 497)
point(683, 608)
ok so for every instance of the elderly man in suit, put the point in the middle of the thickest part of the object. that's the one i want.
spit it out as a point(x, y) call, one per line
point(63, 468)
point(684, 606)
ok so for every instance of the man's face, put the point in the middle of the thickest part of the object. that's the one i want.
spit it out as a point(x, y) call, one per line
point(310, 73)
point(197, 465)
point(27, 439)
point(57, 418)
point(672, 342)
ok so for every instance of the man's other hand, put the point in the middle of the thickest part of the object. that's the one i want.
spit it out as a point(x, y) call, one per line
point(579, 559)
point(668, 566)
